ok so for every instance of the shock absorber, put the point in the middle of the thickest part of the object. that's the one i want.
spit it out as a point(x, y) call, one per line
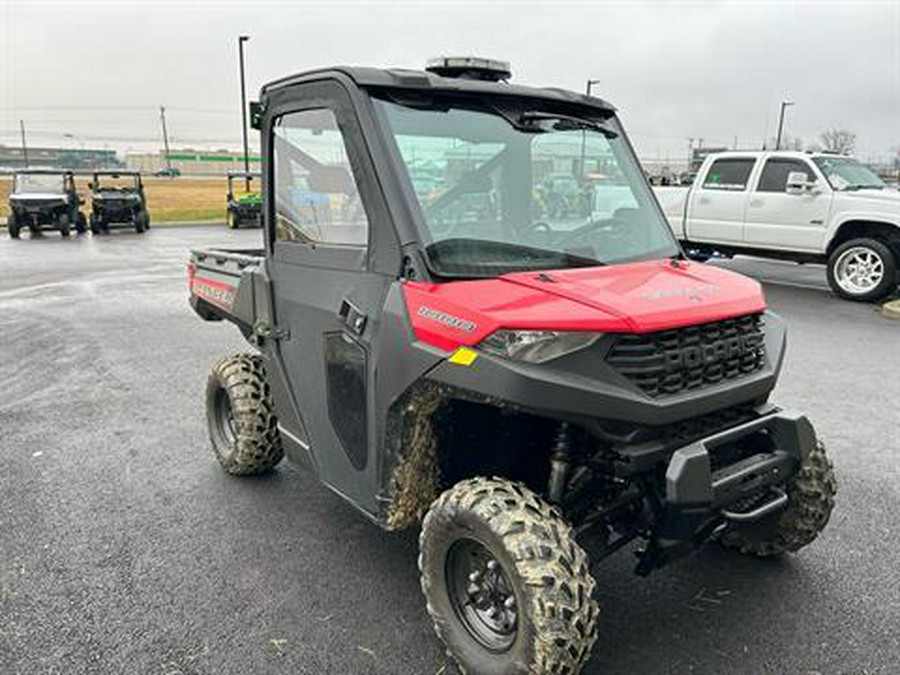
point(559, 463)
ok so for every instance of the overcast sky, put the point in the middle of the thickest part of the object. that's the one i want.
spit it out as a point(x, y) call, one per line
point(98, 71)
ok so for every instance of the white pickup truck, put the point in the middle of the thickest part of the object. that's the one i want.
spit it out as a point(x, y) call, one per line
point(807, 207)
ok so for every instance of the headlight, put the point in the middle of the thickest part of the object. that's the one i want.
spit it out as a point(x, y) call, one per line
point(537, 346)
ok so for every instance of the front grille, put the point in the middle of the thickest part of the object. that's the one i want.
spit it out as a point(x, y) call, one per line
point(672, 361)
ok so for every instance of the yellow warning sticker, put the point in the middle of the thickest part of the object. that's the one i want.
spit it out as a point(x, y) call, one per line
point(464, 356)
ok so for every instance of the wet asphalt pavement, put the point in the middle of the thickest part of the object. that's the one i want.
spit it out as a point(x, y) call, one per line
point(125, 549)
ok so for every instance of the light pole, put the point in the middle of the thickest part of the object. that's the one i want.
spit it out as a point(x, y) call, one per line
point(24, 144)
point(241, 40)
point(784, 104)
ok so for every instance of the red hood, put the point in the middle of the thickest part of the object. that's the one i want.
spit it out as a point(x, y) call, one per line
point(634, 298)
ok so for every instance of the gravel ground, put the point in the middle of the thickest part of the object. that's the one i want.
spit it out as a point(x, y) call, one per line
point(124, 548)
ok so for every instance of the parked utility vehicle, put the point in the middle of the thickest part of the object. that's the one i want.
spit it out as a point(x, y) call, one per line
point(538, 391)
point(807, 207)
point(245, 203)
point(44, 199)
point(118, 200)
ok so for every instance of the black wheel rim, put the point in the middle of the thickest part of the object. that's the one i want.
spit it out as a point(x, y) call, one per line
point(482, 595)
point(225, 418)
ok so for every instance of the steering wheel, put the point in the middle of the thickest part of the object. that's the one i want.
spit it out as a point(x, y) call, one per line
point(616, 229)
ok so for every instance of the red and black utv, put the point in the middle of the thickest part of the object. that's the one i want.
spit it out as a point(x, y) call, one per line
point(538, 386)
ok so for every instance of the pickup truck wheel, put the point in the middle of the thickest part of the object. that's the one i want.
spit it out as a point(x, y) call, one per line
point(13, 226)
point(232, 220)
point(862, 269)
point(242, 424)
point(810, 502)
point(140, 223)
point(64, 225)
point(507, 587)
point(95, 224)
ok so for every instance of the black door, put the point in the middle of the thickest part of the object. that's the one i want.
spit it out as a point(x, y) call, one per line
point(326, 296)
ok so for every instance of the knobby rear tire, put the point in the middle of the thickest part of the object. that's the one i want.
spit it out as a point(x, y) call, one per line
point(253, 445)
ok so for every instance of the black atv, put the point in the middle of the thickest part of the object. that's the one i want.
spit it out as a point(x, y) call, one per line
point(117, 200)
point(45, 199)
point(245, 206)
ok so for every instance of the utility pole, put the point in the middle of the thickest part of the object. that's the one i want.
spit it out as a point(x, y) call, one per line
point(24, 144)
point(690, 155)
point(162, 117)
point(784, 104)
point(241, 40)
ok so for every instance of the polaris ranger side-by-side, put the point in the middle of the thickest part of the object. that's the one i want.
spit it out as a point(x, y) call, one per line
point(45, 199)
point(538, 386)
point(117, 200)
point(244, 205)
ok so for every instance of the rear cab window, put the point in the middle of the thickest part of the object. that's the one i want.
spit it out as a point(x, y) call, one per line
point(730, 174)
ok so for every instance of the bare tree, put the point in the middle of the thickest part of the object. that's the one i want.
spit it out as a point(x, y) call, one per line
point(838, 140)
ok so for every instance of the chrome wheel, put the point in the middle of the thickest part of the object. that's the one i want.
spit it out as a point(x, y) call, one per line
point(859, 270)
point(482, 595)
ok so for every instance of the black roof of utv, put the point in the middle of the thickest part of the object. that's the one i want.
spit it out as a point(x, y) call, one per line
point(420, 80)
point(45, 170)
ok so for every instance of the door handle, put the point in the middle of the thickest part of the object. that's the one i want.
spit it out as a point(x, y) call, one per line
point(757, 202)
point(353, 316)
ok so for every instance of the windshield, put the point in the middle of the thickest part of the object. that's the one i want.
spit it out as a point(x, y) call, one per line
point(38, 182)
point(845, 173)
point(524, 190)
point(120, 183)
point(242, 187)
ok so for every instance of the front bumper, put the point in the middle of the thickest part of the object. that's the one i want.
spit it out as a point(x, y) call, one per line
point(784, 441)
point(246, 213)
point(124, 212)
point(727, 479)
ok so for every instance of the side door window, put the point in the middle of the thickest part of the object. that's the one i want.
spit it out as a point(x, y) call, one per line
point(729, 174)
point(775, 173)
point(315, 193)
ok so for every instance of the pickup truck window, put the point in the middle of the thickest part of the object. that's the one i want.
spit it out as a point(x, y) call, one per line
point(775, 173)
point(729, 174)
point(316, 197)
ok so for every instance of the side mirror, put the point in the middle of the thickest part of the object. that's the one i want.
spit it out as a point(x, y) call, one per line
point(256, 114)
point(798, 183)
